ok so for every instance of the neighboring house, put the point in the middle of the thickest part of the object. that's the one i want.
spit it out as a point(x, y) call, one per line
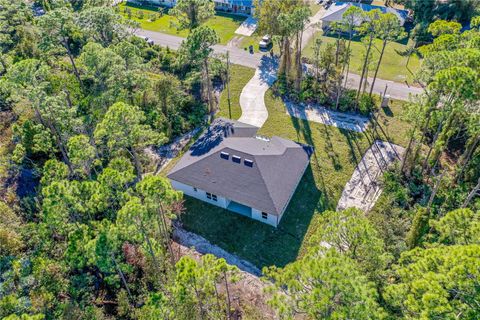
point(335, 13)
point(231, 167)
point(235, 6)
point(163, 3)
point(244, 7)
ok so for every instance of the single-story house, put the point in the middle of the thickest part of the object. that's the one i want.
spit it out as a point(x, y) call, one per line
point(335, 13)
point(235, 6)
point(231, 167)
point(163, 3)
point(243, 7)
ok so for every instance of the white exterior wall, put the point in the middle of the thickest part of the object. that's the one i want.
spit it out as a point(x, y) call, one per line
point(199, 194)
point(165, 3)
point(271, 220)
point(221, 202)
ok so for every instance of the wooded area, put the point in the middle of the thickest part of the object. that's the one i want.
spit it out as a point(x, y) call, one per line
point(86, 228)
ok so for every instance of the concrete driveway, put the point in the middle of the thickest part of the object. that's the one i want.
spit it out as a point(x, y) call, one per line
point(252, 98)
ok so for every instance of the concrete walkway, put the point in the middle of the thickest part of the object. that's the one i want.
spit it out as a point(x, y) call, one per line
point(252, 98)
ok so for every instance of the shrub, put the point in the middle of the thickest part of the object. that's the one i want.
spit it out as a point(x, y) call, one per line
point(140, 14)
point(153, 17)
point(365, 104)
point(347, 101)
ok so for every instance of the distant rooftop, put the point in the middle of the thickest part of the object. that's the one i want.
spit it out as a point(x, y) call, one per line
point(335, 11)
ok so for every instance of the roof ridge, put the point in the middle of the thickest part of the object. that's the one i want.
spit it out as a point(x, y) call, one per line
point(266, 185)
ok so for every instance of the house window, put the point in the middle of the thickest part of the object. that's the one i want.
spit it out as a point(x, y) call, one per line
point(209, 195)
point(214, 197)
point(248, 162)
point(264, 215)
point(236, 159)
point(224, 155)
point(195, 189)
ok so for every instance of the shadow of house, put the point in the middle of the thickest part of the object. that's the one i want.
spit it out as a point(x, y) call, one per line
point(213, 136)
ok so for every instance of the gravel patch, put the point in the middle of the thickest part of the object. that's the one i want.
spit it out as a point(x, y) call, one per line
point(203, 246)
point(364, 188)
point(162, 155)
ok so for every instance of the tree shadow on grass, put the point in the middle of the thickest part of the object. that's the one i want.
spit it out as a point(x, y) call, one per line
point(304, 132)
point(355, 151)
point(254, 241)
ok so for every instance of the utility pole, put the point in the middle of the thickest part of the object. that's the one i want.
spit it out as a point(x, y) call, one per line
point(228, 85)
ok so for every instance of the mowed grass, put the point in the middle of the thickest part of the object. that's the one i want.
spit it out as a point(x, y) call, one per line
point(239, 76)
point(224, 24)
point(394, 63)
point(336, 155)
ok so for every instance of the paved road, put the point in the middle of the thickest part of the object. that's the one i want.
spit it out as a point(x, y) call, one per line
point(396, 90)
point(237, 55)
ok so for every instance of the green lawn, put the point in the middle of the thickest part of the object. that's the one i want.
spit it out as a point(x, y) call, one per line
point(336, 154)
point(224, 24)
point(239, 76)
point(393, 64)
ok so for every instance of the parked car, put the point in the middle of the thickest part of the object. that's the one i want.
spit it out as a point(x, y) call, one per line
point(265, 42)
point(149, 41)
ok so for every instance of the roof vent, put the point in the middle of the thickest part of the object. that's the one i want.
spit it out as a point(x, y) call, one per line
point(236, 159)
point(248, 163)
point(224, 155)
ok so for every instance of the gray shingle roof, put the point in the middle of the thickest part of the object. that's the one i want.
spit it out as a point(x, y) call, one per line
point(335, 12)
point(278, 165)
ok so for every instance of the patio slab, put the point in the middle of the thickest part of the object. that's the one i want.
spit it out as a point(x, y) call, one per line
point(364, 187)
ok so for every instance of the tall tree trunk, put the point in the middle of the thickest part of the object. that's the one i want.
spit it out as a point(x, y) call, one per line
point(407, 151)
point(472, 194)
point(299, 61)
point(141, 226)
point(122, 277)
point(467, 155)
point(378, 67)
point(166, 233)
point(286, 58)
point(435, 190)
point(422, 140)
point(136, 161)
point(227, 290)
point(347, 53)
point(364, 68)
point(435, 137)
point(72, 61)
point(209, 88)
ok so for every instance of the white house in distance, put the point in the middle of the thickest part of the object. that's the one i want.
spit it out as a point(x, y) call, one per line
point(243, 7)
point(335, 12)
point(231, 167)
